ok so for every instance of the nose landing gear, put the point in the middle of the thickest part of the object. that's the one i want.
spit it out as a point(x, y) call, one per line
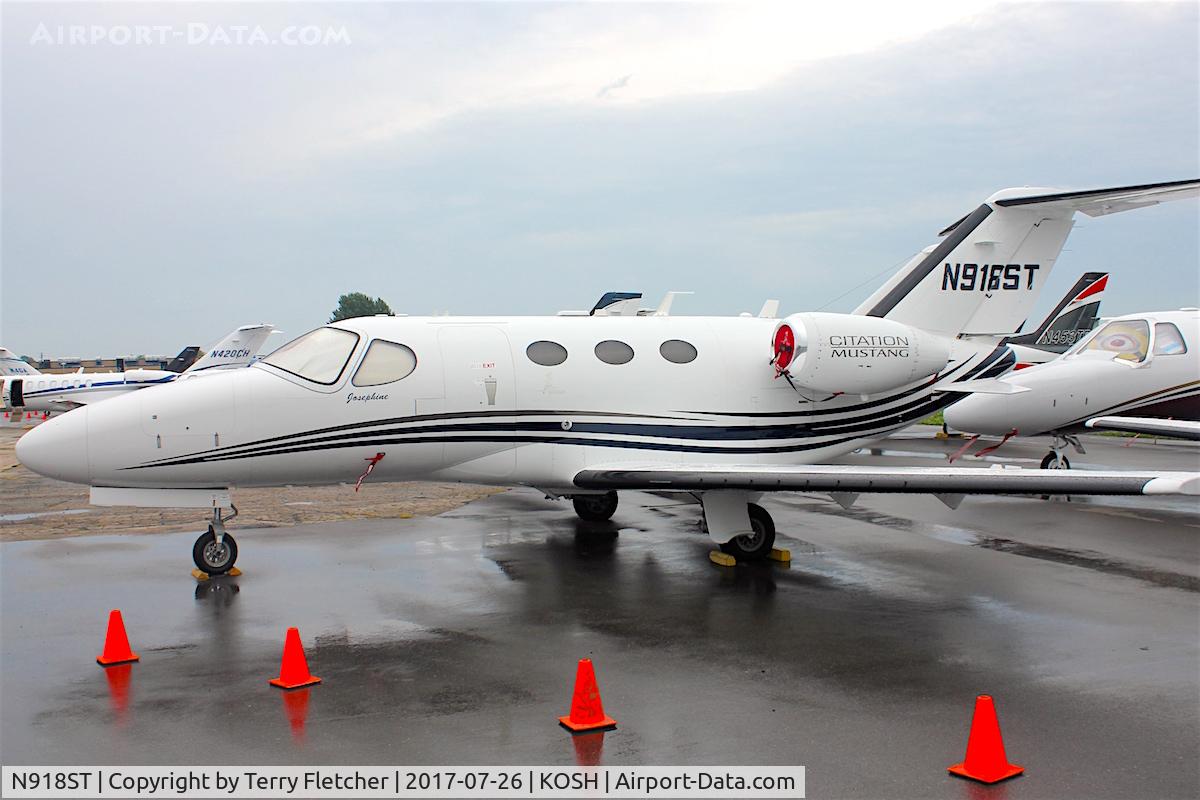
point(215, 551)
point(1056, 458)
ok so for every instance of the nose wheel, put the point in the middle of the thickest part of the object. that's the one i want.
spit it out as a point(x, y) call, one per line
point(215, 551)
point(1056, 458)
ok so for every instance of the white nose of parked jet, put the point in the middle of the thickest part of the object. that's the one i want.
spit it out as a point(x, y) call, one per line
point(58, 448)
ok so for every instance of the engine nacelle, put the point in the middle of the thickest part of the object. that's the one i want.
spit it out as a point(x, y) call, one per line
point(146, 375)
point(852, 354)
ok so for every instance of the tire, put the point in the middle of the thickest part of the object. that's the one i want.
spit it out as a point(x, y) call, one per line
point(212, 559)
point(595, 507)
point(757, 546)
point(1051, 462)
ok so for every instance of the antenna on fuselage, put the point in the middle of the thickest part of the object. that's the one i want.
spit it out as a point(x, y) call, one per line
point(664, 308)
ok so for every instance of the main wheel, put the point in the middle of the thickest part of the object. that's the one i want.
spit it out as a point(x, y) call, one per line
point(213, 558)
point(756, 545)
point(1051, 461)
point(595, 507)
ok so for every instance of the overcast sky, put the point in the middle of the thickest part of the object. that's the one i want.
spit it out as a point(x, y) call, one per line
point(522, 158)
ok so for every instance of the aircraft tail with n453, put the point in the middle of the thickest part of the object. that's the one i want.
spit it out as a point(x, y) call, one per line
point(1071, 320)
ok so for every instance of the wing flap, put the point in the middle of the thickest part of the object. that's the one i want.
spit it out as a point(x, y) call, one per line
point(905, 480)
point(1180, 428)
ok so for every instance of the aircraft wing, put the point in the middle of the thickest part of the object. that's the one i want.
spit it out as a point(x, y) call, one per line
point(862, 480)
point(1179, 428)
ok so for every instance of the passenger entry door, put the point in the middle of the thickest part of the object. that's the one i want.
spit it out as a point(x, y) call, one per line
point(479, 388)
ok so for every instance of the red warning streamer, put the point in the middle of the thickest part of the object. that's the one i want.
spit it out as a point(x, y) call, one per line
point(371, 462)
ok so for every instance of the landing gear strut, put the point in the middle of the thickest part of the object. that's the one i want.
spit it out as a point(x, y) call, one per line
point(756, 545)
point(216, 551)
point(1056, 458)
point(595, 507)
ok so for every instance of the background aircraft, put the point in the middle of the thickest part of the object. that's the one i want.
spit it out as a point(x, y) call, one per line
point(63, 392)
point(12, 364)
point(1138, 365)
point(722, 407)
point(1072, 319)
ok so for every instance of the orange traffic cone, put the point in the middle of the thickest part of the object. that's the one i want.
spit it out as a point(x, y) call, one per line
point(293, 672)
point(587, 712)
point(985, 761)
point(116, 643)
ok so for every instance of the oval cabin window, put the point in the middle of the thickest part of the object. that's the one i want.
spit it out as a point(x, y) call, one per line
point(677, 351)
point(611, 351)
point(548, 354)
point(385, 362)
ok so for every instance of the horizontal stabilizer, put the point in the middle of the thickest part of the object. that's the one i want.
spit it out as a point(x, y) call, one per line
point(1099, 202)
point(906, 480)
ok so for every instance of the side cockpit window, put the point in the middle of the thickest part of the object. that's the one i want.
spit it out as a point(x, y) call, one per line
point(1127, 339)
point(385, 362)
point(1168, 341)
point(319, 356)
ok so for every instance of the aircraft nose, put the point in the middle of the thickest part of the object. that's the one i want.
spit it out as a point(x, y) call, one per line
point(978, 414)
point(58, 448)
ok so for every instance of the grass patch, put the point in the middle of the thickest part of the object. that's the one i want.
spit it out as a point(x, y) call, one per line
point(936, 419)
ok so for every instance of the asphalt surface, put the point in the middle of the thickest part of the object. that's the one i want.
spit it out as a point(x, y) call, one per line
point(454, 640)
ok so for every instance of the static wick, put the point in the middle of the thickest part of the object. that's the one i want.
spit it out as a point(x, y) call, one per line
point(371, 462)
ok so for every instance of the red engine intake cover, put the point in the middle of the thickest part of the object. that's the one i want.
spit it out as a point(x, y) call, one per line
point(785, 347)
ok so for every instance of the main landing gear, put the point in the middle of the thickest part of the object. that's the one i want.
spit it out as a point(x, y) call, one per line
point(727, 516)
point(757, 545)
point(216, 551)
point(1056, 458)
point(595, 507)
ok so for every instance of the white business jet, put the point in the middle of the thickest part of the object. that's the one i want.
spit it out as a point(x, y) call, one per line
point(1137, 373)
point(63, 392)
point(722, 407)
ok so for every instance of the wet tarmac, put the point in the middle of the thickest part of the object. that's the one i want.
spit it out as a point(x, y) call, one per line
point(454, 640)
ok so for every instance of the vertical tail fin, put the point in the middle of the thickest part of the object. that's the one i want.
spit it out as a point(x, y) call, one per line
point(12, 364)
point(187, 357)
point(985, 275)
point(1072, 319)
point(235, 350)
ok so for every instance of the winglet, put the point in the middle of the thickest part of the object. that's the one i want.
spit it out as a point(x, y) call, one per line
point(1186, 484)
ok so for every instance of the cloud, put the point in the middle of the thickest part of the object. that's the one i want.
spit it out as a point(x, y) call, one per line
point(192, 191)
point(619, 83)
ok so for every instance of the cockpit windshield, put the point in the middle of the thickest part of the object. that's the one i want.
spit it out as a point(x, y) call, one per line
point(1126, 339)
point(319, 356)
